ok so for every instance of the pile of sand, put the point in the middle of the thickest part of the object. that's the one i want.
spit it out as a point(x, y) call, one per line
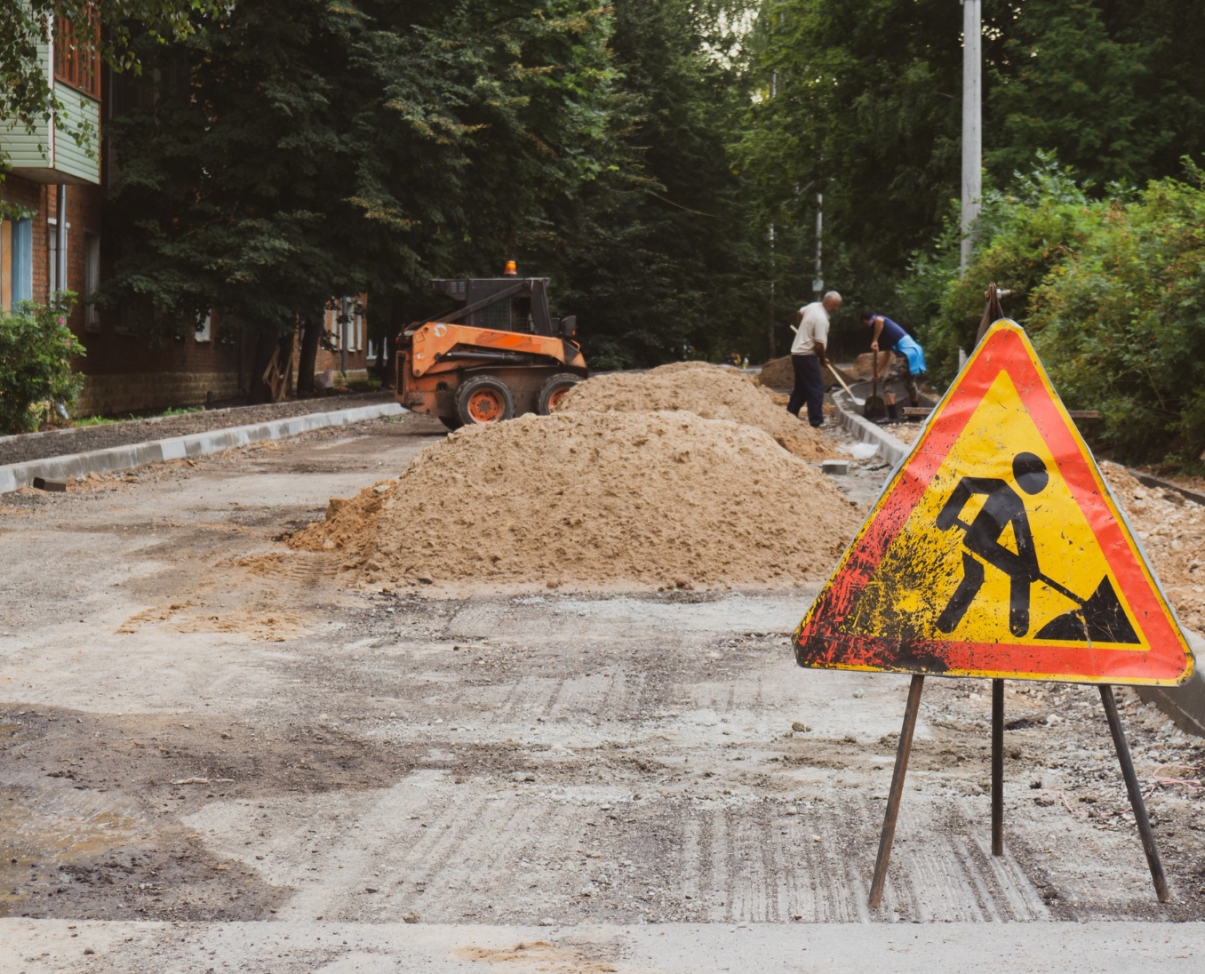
point(710, 391)
point(595, 500)
point(778, 373)
point(890, 365)
point(1172, 531)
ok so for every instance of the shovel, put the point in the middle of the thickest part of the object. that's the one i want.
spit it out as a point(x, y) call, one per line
point(875, 407)
point(837, 375)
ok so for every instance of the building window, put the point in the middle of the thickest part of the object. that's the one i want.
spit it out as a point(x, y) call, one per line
point(76, 61)
point(91, 279)
point(204, 332)
point(20, 262)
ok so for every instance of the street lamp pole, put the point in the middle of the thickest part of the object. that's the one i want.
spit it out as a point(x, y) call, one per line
point(972, 123)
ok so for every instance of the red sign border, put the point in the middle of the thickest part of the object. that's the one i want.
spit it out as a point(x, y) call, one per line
point(1169, 661)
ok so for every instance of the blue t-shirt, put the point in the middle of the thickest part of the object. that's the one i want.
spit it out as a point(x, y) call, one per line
point(890, 335)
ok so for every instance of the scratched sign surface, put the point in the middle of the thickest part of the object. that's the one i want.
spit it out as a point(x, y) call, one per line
point(996, 550)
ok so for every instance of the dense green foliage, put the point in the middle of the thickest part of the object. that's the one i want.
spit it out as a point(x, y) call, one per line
point(291, 153)
point(36, 349)
point(868, 109)
point(1111, 291)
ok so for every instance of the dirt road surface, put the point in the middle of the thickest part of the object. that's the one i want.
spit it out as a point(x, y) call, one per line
point(215, 757)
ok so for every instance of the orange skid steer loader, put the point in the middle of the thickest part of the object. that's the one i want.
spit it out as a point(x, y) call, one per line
point(497, 355)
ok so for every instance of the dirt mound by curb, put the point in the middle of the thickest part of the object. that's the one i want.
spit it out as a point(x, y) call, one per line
point(706, 390)
point(595, 500)
point(778, 373)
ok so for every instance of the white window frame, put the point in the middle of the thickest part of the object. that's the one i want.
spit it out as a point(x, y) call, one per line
point(205, 332)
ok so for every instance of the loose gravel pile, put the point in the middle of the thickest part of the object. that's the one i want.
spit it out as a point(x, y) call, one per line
point(710, 391)
point(595, 500)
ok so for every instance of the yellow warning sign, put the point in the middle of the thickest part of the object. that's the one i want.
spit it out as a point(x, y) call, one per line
point(997, 550)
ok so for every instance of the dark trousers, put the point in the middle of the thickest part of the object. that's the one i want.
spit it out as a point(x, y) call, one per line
point(809, 388)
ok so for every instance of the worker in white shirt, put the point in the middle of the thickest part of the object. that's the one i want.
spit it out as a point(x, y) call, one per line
point(807, 356)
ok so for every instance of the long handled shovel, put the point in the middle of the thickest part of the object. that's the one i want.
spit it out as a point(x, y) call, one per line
point(837, 375)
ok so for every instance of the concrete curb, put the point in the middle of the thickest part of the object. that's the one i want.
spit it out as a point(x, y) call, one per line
point(891, 449)
point(1185, 704)
point(16, 475)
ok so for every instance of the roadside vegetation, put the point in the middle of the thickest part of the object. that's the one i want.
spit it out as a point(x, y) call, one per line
point(665, 163)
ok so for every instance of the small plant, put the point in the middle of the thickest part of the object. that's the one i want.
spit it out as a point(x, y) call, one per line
point(36, 349)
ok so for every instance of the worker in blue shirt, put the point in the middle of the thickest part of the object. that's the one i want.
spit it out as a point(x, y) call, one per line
point(890, 337)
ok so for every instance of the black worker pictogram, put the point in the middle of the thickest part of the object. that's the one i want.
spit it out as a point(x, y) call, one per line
point(1099, 617)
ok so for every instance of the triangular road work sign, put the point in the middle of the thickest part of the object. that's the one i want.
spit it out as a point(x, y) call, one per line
point(996, 550)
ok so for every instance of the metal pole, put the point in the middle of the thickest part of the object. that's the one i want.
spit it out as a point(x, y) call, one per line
point(818, 282)
point(997, 767)
point(1135, 790)
point(897, 790)
point(770, 323)
point(972, 123)
point(60, 270)
point(343, 338)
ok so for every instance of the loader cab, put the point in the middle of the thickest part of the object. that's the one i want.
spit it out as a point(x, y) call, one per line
point(500, 303)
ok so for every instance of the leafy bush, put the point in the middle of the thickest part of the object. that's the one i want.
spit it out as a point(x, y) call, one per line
point(1112, 292)
point(1023, 234)
point(36, 349)
point(1120, 323)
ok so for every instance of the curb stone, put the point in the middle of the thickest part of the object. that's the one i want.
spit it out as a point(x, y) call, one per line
point(891, 448)
point(16, 475)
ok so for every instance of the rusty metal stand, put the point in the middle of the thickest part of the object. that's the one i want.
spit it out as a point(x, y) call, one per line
point(897, 791)
point(1135, 790)
point(997, 767)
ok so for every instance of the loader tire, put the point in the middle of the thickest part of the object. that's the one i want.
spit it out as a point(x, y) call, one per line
point(453, 423)
point(484, 399)
point(553, 391)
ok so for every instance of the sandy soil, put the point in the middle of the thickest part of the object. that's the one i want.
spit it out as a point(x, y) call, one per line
point(710, 391)
point(662, 500)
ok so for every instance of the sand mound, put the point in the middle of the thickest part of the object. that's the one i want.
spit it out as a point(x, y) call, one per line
point(706, 390)
point(778, 373)
point(663, 499)
point(889, 364)
point(1172, 531)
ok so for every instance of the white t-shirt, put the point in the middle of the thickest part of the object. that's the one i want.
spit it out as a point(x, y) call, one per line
point(813, 328)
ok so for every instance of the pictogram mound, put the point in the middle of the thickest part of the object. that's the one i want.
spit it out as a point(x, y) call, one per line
point(594, 500)
point(710, 391)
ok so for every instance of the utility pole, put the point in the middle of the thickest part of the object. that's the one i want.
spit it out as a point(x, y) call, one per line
point(972, 123)
point(818, 281)
point(770, 323)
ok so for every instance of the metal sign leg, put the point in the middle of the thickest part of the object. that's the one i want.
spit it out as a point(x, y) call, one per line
point(897, 791)
point(997, 767)
point(1135, 790)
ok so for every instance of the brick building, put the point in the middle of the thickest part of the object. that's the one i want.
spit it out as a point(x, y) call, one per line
point(49, 170)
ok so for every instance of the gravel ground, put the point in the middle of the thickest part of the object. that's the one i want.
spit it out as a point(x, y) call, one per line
point(58, 443)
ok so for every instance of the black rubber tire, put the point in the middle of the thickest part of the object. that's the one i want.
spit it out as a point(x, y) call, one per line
point(453, 423)
point(479, 384)
point(555, 384)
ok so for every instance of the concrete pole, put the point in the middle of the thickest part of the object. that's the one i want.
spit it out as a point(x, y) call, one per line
point(972, 123)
